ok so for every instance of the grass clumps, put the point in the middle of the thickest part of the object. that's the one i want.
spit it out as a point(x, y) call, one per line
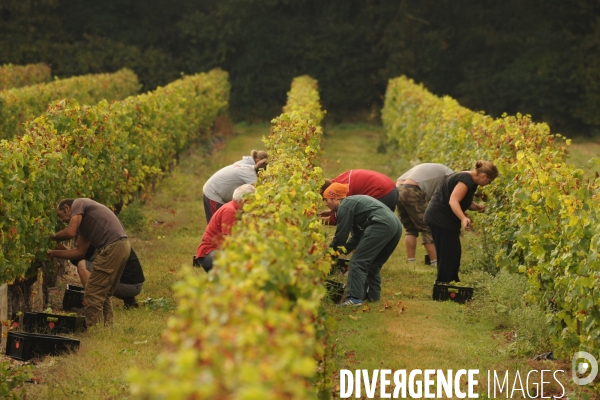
point(501, 298)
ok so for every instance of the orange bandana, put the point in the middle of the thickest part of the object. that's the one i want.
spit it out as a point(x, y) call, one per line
point(336, 191)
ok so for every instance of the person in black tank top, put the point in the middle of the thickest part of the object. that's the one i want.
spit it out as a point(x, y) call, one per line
point(446, 215)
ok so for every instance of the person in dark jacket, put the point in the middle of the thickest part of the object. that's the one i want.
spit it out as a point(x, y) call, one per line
point(375, 233)
point(445, 215)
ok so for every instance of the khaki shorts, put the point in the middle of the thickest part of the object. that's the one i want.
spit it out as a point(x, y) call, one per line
point(411, 209)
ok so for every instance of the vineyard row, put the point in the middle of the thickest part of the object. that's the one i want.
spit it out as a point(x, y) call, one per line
point(110, 152)
point(26, 103)
point(14, 76)
point(256, 327)
point(543, 214)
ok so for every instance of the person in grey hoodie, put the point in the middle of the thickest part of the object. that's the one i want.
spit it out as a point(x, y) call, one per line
point(218, 190)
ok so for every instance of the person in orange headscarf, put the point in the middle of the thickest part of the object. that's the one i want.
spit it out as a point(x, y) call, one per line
point(375, 233)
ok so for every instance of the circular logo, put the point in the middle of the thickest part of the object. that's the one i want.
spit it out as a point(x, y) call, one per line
point(582, 367)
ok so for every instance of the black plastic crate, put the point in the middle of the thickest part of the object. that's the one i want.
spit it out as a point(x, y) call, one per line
point(24, 345)
point(52, 323)
point(335, 290)
point(73, 298)
point(340, 265)
point(459, 294)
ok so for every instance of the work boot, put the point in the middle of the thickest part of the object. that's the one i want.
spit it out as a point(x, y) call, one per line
point(130, 302)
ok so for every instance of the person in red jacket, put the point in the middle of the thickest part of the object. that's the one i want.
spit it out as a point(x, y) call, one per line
point(366, 182)
point(220, 226)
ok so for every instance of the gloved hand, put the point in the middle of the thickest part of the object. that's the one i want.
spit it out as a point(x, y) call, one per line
point(339, 264)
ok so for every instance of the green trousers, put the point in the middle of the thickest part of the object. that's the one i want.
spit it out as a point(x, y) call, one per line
point(108, 268)
point(376, 246)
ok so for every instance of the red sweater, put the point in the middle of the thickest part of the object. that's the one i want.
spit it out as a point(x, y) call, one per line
point(220, 225)
point(364, 181)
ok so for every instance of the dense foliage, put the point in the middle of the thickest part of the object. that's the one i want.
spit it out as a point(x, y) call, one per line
point(530, 56)
point(108, 152)
point(254, 328)
point(13, 76)
point(22, 104)
point(12, 380)
point(543, 215)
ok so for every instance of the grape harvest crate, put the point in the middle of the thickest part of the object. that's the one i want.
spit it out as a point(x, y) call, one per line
point(24, 345)
point(73, 297)
point(458, 294)
point(341, 265)
point(52, 323)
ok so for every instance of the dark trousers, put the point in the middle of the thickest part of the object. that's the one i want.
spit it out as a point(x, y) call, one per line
point(205, 262)
point(448, 249)
point(377, 245)
point(210, 207)
point(390, 199)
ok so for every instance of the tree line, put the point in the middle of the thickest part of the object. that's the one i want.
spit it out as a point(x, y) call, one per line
point(530, 56)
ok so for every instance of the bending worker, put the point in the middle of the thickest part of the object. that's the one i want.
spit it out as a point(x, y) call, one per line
point(99, 226)
point(219, 188)
point(375, 233)
point(415, 188)
point(366, 182)
point(446, 215)
point(220, 226)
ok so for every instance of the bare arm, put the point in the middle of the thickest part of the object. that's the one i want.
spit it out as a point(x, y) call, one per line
point(325, 213)
point(459, 193)
point(477, 207)
point(70, 231)
point(73, 254)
